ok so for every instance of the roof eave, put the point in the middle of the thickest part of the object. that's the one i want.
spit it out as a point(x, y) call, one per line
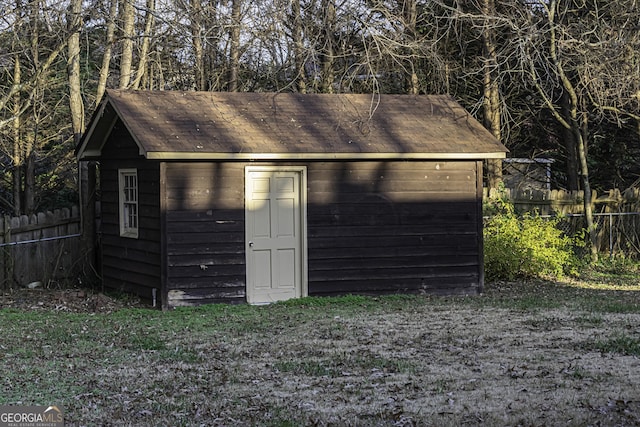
point(163, 155)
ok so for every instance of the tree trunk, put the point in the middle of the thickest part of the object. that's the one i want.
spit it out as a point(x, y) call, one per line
point(573, 123)
point(410, 16)
point(234, 53)
point(586, 185)
point(76, 106)
point(30, 183)
point(491, 97)
point(298, 46)
point(571, 148)
point(146, 41)
point(198, 49)
point(16, 158)
point(29, 140)
point(106, 59)
point(327, 53)
point(35, 31)
point(159, 77)
point(16, 178)
point(211, 49)
point(126, 59)
point(570, 145)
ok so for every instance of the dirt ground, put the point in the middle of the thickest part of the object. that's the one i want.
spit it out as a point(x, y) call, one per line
point(71, 300)
point(448, 367)
point(427, 365)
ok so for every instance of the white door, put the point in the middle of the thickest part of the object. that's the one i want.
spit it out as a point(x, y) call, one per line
point(275, 234)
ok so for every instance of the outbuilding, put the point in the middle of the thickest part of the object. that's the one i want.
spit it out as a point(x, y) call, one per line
point(259, 197)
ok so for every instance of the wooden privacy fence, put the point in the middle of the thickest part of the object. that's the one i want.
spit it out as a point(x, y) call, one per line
point(44, 247)
point(561, 202)
point(616, 214)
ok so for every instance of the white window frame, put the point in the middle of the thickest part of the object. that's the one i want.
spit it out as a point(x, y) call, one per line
point(128, 202)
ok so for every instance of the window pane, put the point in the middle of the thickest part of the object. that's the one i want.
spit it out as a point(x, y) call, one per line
point(129, 203)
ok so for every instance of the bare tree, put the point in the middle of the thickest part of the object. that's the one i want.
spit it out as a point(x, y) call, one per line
point(234, 42)
point(108, 49)
point(33, 54)
point(611, 73)
point(571, 65)
point(577, 59)
point(328, 48)
point(410, 18)
point(204, 30)
point(29, 139)
point(197, 30)
point(128, 34)
point(76, 106)
point(299, 52)
point(492, 106)
point(146, 41)
point(16, 153)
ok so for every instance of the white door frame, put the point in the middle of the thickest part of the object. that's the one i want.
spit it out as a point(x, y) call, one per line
point(302, 174)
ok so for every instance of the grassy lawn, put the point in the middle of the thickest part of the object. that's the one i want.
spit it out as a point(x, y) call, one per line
point(523, 353)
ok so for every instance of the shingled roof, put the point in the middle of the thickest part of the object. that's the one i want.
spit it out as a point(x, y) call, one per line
point(174, 125)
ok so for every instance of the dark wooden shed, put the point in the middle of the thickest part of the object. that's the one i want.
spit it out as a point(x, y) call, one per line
point(258, 197)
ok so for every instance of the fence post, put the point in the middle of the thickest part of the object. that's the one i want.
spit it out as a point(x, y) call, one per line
point(7, 264)
point(611, 235)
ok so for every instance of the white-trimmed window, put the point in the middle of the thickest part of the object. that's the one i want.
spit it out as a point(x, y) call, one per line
point(128, 200)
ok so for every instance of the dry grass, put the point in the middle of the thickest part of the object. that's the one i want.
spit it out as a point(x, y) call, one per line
point(535, 353)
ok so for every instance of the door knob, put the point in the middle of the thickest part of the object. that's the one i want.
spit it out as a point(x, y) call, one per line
point(250, 244)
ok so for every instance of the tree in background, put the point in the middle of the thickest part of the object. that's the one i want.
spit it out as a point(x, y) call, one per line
point(108, 42)
point(234, 43)
point(31, 127)
point(76, 104)
point(495, 56)
point(127, 19)
point(565, 60)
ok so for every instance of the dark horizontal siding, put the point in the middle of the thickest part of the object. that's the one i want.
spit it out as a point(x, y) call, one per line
point(205, 295)
point(128, 260)
point(207, 188)
point(131, 265)
point(437, 285)
point(387, 227)
point(377, 265)
point(460, 182)
point(372, 228)
point(205, 233)
point(423, 237)
point(205, 254)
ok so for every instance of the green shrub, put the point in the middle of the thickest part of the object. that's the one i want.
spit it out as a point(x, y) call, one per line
point(527, 246)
